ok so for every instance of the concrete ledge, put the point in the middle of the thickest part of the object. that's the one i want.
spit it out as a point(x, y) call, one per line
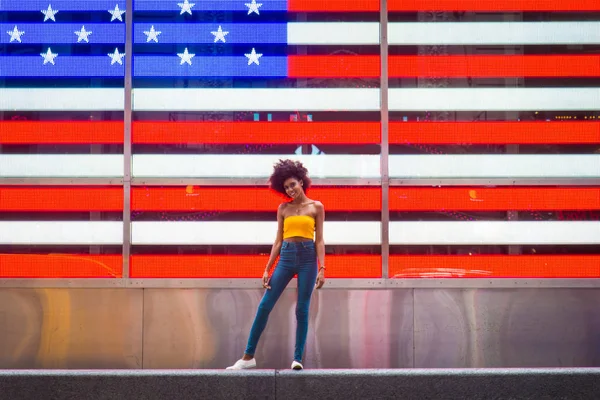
point(136, 384)
point(439, 384)
point(555, 383)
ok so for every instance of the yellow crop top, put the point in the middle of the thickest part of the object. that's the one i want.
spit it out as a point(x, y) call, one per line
point(299, 226)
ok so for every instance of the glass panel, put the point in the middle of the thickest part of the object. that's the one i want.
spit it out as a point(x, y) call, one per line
point(61, 116)
point(61, 231)
point(483, 91)
point(309, 88)
point(495, 82)
point(62, 88)
point(237, 225)
point(237, 88)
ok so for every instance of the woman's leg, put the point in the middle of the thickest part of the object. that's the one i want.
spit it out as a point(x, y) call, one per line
point(307, 276)
point(281, 277)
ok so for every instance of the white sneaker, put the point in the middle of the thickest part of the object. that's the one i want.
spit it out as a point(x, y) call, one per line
point(243, 364)
point(297, 366)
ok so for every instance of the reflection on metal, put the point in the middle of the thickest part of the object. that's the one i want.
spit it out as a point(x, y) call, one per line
point(66, 328)
point(385, 145)
point(62, 283)
point(209, 328)
point(126, 249)
point(441, 273)
point(506, 328)
point(127, 153)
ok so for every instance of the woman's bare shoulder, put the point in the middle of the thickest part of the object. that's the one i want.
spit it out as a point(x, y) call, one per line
point(282, 207)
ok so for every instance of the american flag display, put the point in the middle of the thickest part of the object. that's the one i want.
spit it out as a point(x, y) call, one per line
point(489, 118)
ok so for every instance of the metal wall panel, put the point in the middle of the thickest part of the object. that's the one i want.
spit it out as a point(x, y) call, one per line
point(70, 328)
point(208, 328)
point(507, 328)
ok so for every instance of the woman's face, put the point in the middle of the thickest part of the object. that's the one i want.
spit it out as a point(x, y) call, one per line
point(293, 187)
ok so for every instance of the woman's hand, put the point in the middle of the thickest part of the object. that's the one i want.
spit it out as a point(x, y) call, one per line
point(320, 279)
point(265, 280)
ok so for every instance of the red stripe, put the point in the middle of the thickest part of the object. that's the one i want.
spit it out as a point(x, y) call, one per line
point(554, 132)
point(40, 199)
point(242, 266)
point(154, 132)
point(495, 66)
point(495, 266)
point(60, 266)
point(493, 5)
point(333, 5)
point(492, 199)
point(359, 199)
point(60, 132)
point(338, 66)
point(195, 198)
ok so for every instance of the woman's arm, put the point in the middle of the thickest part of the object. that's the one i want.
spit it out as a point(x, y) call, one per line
point(278, 239)
point(319, 242)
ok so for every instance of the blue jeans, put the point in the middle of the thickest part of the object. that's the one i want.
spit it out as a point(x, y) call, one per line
point(296, 258)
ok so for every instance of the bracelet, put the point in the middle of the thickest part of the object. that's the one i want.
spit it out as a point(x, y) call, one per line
point(322, 267)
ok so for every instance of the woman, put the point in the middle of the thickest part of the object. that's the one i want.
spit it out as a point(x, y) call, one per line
point(299, 221)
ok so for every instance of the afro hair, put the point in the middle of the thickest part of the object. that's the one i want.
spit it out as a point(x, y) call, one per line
point(286, 169)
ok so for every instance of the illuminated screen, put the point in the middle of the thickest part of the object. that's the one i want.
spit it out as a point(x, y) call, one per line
point(489, 114)
point(499, 100)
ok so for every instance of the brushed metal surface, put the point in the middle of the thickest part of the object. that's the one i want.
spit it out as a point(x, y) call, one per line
point(70, 328)
point(208, 328)
point(331, 284)
point(507, 328)
point(357, 328)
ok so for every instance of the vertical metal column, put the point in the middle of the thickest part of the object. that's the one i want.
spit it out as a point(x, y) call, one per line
point(127, 138)
point(385, 181)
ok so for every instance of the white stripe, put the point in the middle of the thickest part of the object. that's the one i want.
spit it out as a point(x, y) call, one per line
point(495, 166)
point(251, 165)
point(88, 99)
point(331, 33)
point(256, 99)
point(493, 33)
point(61, 165)
point(244, 233)
point(320, 166)
point(61, 232)
point(494, 232)
point(253, 233)
point(494, 99)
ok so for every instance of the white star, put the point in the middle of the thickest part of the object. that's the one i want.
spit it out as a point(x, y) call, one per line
point(186, 57)
point(253, 57)
point(253, 7)
point(220, 35)
point(186, 6)
point(49, 56)
point(15, 34)
point(116, 14)
point(116, 57)
point(83, 35)
point(49, 13)
point(152, 34)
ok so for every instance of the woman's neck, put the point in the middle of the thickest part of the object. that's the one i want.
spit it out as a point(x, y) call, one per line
point(300, 200)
